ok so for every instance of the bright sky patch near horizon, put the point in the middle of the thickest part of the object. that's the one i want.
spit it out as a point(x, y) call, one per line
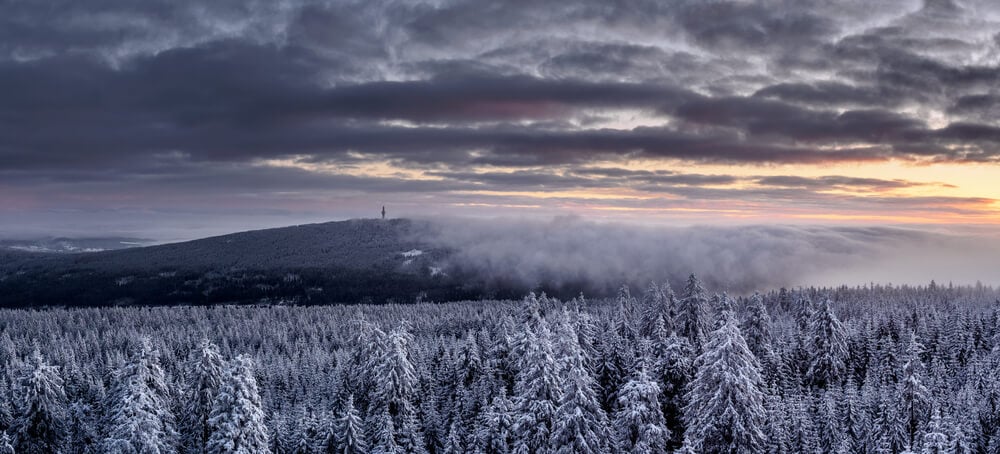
point(176, 119)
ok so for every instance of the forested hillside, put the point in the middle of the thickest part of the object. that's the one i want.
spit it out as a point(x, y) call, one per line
point(359, 242)
point(350, 261)
point(859, 370)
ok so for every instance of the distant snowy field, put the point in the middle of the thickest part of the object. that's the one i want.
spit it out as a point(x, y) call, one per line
point(871, 369)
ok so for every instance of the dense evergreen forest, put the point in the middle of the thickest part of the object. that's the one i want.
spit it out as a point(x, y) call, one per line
point(873, 369)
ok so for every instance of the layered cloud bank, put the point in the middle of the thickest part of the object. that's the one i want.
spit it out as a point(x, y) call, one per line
point(695, 109)
point(573, 253)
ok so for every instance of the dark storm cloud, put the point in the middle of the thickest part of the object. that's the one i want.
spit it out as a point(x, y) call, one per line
point(836, 181)
point(103, 90)
point(829, 94)
point(584, 179)
point(474, 98)
point(974, 103)
point(771, 118)
point(743, 26)
point(611, 60)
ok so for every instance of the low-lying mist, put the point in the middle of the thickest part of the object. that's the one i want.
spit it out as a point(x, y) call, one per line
point(567, 253)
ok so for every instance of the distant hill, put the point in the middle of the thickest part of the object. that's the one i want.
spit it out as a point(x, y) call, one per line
point(349, 261)
point(70, 245)
point(360, 243)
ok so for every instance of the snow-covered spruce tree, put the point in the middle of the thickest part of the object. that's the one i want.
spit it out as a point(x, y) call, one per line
point(394, 388)
point(348, 432)
point(537, 392)
point(410, 436)
point(6, 444)
point(307, 435)
point(453, 443)
point(493, 431)
point(302, 445)
point(203, 378)
point(624, 315)
point(529, 313)
point(672, 367)
point(237, 418)
point(614, 358)
point(85, 394)
point(434, 424)
point(581, 425)
point(6, 404)
point(776, 429)
point(890, 433)
point(801, 430)
point(395, 379)
point(384, 434)
point(721, 304)
point(368, 343)
point(828, 429)
point(725, 410)
point(827, 347)
point(854, 420)
point(587, 334)
point(756, 328)
point(657, 303)
point(469, 360)
point(39, 426)
point(692, 318)
point(785, 301)
point(959, 439)
point(140, 420)
point(566, 345)
point(639, 424)
point(984, 393)
point(914, 399)
point(803, 313)
point(935, 441)
point(82, 421)
point(279, 428)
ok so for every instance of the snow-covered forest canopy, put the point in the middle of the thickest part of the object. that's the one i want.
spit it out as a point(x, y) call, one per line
point(853, 370)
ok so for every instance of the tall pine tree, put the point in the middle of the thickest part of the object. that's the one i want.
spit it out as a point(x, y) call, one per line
point(140, 419)
point(827, 347)
point(237, 418)
point(581, 425)
point(692, 318)
point(204, 375)
point(537, 393)
point(348, 433)
point(756, 328)
point(725, 411)
point(41, 408)
point(639, 423)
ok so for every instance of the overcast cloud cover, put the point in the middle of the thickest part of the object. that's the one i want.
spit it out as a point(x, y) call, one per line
point(222, 115)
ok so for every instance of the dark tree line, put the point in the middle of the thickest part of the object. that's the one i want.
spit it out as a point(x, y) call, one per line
point(848, 370)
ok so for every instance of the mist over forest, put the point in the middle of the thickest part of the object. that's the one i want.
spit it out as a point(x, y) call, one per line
point(450, 259)
point(602, 256)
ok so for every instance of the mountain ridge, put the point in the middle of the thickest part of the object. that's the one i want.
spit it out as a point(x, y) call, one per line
point(358, 260)
point(318, 244)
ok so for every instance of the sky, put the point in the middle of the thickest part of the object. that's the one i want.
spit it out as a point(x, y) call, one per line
point(179, 118)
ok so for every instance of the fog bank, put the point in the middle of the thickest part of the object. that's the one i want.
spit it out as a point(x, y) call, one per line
point(569, 252)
